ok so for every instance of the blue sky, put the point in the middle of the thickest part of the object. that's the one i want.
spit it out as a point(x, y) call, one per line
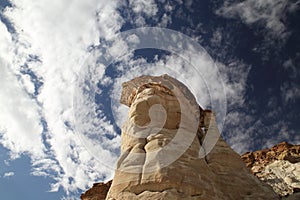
point(22, 184)
point(60, 117)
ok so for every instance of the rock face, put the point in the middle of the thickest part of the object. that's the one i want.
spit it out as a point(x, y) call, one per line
point(278, 166)
point(171, 149)
point(281, 163)
point(97, 192)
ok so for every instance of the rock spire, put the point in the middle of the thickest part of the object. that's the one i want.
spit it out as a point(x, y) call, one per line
point(165, 154)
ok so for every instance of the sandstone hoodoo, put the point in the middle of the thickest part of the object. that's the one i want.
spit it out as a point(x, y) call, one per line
point(171, 149)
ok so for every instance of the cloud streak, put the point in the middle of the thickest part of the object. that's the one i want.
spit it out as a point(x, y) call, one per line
point(271, 14)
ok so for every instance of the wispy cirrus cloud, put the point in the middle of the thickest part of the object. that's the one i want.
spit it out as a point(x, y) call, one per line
point(290, 92)
point(270, 14)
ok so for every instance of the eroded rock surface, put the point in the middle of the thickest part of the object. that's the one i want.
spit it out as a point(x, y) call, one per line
point(97, 192)
point(164, 147)
point(278, 166)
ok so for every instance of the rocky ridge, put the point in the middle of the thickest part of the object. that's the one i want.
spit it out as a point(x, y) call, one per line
point(97, 192)
point(278, 166)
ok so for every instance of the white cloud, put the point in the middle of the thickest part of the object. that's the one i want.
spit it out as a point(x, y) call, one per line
point(216, 38)
point(290, 92)
point(140, 12)
point(28, 84)
point(165, 20)
point(20, 126)
point(148, 7)
point(245, 131)
point(239, 129)
point(269, 13)
point(282, 133)
point(8, 174)
point(235, 75)
point(6, 162)
point(59, 33)
point(291, 68)
point(20, 121)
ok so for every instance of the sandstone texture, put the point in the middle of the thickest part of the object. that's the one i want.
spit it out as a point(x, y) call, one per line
point(171, 149)
point(97, 192)
point(278, 166)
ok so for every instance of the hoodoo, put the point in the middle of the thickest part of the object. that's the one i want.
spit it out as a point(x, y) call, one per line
point(165, 153)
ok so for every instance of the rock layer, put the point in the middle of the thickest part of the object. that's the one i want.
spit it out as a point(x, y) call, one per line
point(278, 166)
point(97, 192)
point(164, 149)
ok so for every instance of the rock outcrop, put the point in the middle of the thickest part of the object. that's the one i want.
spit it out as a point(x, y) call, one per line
point(278, 166)
point(171, 149)
point(97, 192)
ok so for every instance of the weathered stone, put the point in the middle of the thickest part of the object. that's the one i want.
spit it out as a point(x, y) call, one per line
point(97, 192)
point(281, 151)
point(278, 166)
point(163, 155)
point(267, 165)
